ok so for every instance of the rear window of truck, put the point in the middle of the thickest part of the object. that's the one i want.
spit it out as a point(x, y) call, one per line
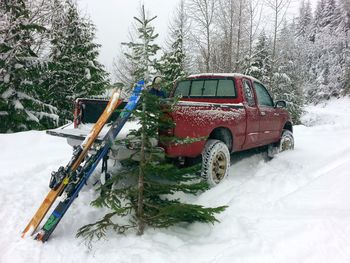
point(208, 88)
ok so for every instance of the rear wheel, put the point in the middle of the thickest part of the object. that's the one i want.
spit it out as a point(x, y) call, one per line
point(215, 162)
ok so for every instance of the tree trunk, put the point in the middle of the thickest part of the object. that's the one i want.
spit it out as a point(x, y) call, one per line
point(141, 187)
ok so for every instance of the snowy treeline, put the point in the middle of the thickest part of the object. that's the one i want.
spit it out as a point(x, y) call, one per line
point(300, 58)
point(303, 58)
point(47, 59)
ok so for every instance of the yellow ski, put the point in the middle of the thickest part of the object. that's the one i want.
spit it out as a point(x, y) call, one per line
point(77, 159)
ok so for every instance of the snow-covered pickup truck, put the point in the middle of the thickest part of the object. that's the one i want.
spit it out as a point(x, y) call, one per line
point(231, 112)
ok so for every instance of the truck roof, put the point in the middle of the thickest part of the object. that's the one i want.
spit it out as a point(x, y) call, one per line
point(232, 75)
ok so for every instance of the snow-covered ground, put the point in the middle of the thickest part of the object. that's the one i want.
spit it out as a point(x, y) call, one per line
point(295, 208)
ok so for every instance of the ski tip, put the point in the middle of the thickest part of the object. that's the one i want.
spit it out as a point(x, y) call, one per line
point(30, 229)
point(39, 236)
point(139, 86)
point(141, 82)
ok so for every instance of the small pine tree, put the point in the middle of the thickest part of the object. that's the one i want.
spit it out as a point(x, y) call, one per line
point(73, 69)
point(21, 107)
point(149, 198)
point(172, 66)
point(142, 53)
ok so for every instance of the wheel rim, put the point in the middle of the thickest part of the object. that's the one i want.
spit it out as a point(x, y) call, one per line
point(219, 167)
point(286, 144)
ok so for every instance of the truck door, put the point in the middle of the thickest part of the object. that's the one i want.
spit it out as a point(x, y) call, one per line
point(269, 119)
point(253, 116)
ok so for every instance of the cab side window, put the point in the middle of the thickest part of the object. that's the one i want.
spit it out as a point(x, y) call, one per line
point(263, 96)
point(248, 93)
point(183, 88)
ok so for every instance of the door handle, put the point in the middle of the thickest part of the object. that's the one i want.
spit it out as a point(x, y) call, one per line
point(263, 113)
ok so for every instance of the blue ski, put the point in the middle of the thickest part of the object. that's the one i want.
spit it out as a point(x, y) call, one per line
point(81, 177)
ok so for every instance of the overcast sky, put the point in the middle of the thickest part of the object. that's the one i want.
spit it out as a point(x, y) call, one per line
point(113, 19)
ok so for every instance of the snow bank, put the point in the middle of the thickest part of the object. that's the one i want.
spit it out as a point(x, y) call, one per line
point(294, 208)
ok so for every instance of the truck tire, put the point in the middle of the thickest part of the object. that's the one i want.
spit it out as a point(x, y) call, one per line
point(286, 143)
point(215, 162)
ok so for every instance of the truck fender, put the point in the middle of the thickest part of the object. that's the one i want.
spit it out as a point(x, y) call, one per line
point(223, 134)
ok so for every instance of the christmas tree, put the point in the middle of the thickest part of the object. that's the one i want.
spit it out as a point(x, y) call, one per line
point(141, 54)
point(145, 189)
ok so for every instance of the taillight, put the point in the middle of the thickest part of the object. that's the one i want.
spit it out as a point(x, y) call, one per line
point(167, 131)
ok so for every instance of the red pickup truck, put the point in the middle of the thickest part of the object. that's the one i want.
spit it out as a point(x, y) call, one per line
point(231, 112)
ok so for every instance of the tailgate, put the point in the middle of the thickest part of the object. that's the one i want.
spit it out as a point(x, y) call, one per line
point(87, 112)
point(76, 136)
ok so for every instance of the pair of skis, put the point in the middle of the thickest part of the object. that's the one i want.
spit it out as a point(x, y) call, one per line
point(72, 178)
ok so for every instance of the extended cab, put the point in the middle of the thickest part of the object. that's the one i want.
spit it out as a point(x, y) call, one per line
point(229, 112)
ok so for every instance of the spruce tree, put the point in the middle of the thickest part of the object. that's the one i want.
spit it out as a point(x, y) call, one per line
point(144, 189)
point(305, 20)
point(261, 61)
point(304, 46)
point(329, 63)
point(141, 53)
point(73, 69)
point(176, 61)
point(21, 105)
point(286, 82)
point(172, 66)
point(148, 199)
point(343, 30)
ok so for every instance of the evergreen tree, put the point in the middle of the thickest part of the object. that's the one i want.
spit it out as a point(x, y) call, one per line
point(329, 63)
point(176, 62)
point(145, 187)
point(73, 69)
point(304, 41)
point(305, 20)
point(318, 16)
point(179, 28)
point(21, 107)
point(149, 198)
point(261, 61)
point(286, 82)
point(172, 66)
point(142, 53)
point(328, 14)
point(343, 30)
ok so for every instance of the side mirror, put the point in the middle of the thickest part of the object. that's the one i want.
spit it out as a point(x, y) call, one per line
point(281, 104)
